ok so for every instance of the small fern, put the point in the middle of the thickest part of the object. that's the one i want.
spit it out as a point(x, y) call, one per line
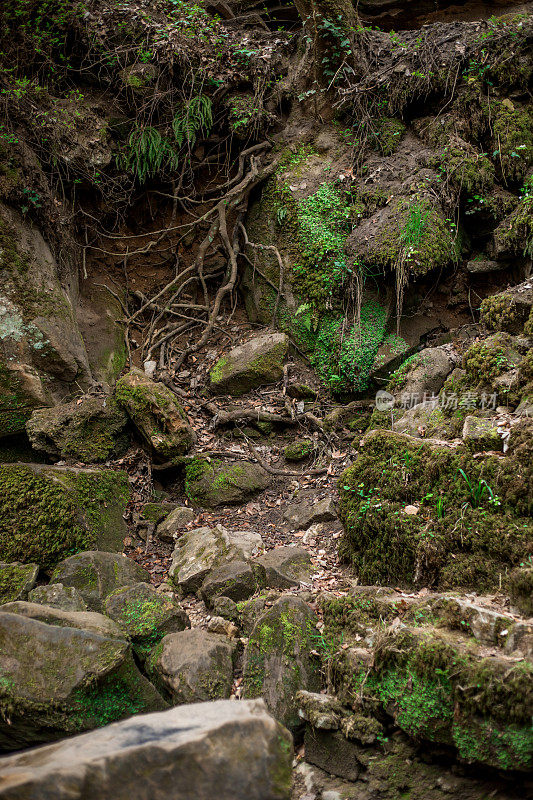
point(147, 153)
point(196, 117)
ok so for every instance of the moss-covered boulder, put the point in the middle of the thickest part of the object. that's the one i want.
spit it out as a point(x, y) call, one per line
point(298, 450)
point(521, 589)
point(250, 365)
point(473, 525)
point(156, 414)
point(202, 550)
point(192, 666)
point(422, 374)
point(440, 687)
point(90, 429)
point(481, 434)
point(96, 575)
point(217, 482)
point(145, 615)
point(278, 659)
point(47, 513)
point(55, 595)
point(42, 350)
point(57, 681)
point(16, 580)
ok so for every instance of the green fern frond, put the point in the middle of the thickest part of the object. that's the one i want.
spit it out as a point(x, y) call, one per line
point(196, 117)
point(147, 153)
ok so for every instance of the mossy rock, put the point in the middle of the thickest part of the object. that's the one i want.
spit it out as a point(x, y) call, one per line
point(48, 513)
point(16, 580)
point(250, 365)
point(278, 660)
point(521, 589)
point(222, 483)
point(90, 429)
point(156, 414)
point(481, 434)
point(499, 313)
point(298, 450)
point(145, 615)
point(96, 575)
point(440, 688)
point(58, 681)
point(474, 524)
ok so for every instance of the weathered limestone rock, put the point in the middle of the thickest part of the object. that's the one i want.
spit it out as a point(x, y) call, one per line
point(49, 512)
point(42, 350)
point(423, 419)
point(55, 595)
point(481, 434)
point(231, 751)
point(16, 580)
point(226, 608)
point(302, 515)
point(89, 621)
point(61, 680)
point(237, 580)
point(423, 374)
point(156, 413)
point(217, 482)
point(250, 365)
point(322, 711)
point(96, 574)
point(480, 266)
point(145, 615)
point(192, 666)
point(286, 567)
point(174, 522)
point(200, 551)
point(89, 429)
point(278, 659)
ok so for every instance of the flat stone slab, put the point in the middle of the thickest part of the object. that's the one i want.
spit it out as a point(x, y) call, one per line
point(302, 515)
point(222, 750)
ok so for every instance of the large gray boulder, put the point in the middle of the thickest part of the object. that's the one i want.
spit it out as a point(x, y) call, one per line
point(423, 373)
point(250, 365)
point(223, 750)
point(200, 551)
point(219, 482)
point(59, 680)
point(96, 574)
point(192, 666)
point(49, 512)
point(156, 414)
point(278, 659)
point(43, 355)
point(145, 615)
point(89, 429)
point(174, 522)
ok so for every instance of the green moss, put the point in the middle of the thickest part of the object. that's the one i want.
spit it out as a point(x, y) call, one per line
point(415, 238)
point(452, 541)
point(499, 312)
point(389, 132)
point(515, 234)
point(528, 327)
point(486, 360)
point(13, 580)
point(468, 170)
point(512, 139)
point(438, 690)
point(299, 450)
point(44, 521)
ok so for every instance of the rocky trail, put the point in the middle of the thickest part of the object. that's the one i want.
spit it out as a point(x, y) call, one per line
point(266, 400)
